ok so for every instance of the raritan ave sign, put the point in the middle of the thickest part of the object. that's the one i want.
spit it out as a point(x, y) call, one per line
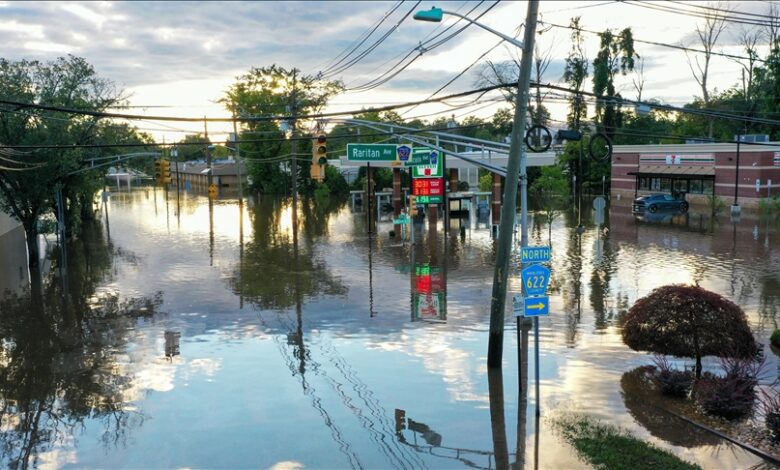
point(375, 152)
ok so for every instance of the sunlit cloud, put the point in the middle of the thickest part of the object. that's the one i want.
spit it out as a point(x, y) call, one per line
point(39, 46)
point(32, 30)
point(84, 13)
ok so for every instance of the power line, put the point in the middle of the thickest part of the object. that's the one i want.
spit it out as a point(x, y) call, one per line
point(371, 48)
point(358, 42)
point(376, 82)
point(661, 44)
point(678, 11)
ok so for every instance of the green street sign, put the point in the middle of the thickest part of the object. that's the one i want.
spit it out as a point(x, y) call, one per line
point(372, 152)
point(421, 156)
point(433, 169)
point(428, 199)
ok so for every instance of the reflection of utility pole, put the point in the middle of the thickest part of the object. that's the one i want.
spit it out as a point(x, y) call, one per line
point(370, 280)
point(298, 307)
point(241, 252)
point(211, 231)
point(497, 422)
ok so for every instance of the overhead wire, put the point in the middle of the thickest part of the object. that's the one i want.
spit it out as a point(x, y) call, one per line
point(368, 50)
point(695, 14)
point(660, 44)
point(421, 49)
point(359, 42)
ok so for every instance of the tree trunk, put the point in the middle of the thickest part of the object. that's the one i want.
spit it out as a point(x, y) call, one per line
point(698, 366)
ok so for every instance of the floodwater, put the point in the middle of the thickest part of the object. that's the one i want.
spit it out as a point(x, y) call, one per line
point(197, 334)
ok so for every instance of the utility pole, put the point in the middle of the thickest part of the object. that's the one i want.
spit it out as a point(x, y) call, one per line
point(238, 160)
point(208, 152)
point(294, 148)
point(516, 164)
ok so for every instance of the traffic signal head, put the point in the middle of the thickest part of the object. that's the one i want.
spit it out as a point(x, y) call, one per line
point(165, 171)
point(158, 169)
point(319, 157)
point(412, 205)
point(321, 149)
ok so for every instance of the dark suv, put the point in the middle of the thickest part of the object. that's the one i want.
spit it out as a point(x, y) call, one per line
point(656, 202)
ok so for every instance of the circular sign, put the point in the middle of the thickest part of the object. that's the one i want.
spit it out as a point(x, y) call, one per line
point(538, 138)
point(600, 147)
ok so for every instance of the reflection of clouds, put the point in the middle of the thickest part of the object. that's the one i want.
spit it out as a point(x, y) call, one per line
point(287, 465)
point(455, 366)
point(57, 458)
point(203, 366)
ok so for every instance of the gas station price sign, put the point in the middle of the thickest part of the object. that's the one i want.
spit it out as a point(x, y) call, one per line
point(428, 186)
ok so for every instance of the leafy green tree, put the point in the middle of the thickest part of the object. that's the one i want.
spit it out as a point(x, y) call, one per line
point(27, 191)
point(574, 74)
point(616, 55)
point(551, 191)
point(275, 90)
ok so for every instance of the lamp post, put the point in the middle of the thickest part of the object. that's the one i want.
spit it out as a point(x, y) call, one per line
point(516, 169)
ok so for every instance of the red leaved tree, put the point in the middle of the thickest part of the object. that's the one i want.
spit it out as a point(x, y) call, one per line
point(688, 321)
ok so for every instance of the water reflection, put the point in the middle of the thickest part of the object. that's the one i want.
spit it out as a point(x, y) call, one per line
point(58, 367)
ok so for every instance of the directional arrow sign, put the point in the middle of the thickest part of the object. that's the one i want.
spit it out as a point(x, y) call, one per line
point(536, 306)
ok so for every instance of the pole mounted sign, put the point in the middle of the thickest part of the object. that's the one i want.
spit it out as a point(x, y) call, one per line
point(535, 279)
point(434, 167)
point(375, 152)
point(535, 254)
point(536, 306)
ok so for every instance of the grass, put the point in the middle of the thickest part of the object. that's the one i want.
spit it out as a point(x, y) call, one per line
point(608, 447)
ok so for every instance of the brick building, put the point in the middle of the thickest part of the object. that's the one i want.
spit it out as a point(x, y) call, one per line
point(696, 171)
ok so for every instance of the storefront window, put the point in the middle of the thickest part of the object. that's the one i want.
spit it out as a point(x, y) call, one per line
point(681, 186)
point(706, 186)
point(666, 184)
point(695, 187)
point(655, 184)
point(644, 183)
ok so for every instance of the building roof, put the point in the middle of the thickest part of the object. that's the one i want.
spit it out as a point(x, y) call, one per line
point(682, 170)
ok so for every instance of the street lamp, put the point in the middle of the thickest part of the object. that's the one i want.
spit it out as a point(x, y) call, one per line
point(516, 169)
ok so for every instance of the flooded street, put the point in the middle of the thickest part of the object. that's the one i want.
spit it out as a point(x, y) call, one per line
point(220, 338)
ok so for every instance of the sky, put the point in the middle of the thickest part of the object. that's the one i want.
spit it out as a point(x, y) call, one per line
point(178, 58)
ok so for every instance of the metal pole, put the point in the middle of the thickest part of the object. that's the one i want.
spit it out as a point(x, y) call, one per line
point(238, 163)
point(209, 178)
point(516, 155)
point(368, 195)
point(293, 151)
point(736, 175)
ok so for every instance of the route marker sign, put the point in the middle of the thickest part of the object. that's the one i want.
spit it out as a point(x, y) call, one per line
point(535, 279)
point(536, 306)
point(372, 152)
point(535, 254)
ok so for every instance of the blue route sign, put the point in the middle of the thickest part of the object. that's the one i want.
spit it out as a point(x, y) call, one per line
point(535, 254)
point(535, 279)
point(536, 306)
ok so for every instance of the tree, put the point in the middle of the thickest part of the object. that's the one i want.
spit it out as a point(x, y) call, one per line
point(616, 55)
point(708, 34)
point(28, 191)
point(275, 90)
point(575, 73)
point(551, 190)
point(688, 321)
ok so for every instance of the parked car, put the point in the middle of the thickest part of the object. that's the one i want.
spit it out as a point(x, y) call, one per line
point(656, 202)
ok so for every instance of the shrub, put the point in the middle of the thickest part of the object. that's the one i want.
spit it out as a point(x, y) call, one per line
point(775, 338)
point(688, 321)
point(670, 381)
point(733, 395)
point(770, 409)
point(727, 397)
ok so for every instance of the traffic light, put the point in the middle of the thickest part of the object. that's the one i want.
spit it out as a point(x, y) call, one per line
point(412, 205)
point(319, 157)
point(158, 170)
point(165, 172)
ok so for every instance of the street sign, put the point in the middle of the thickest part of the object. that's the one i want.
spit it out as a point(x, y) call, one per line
point(599, 203)
point(402, 219)
point(535, 254)
point(536, 306)
point(517, 304)
point(423, 156)
point(372, 152)
point(535, 279)
point(434, 169)
point(404, 151)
